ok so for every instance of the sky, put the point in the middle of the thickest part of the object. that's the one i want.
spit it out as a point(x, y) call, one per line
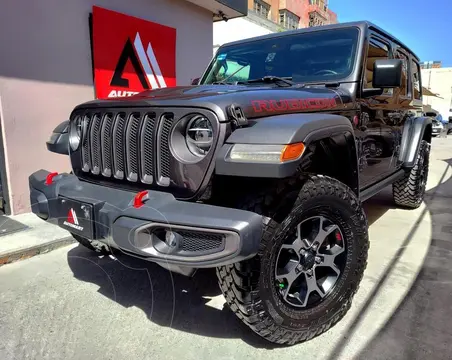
point(424, 26)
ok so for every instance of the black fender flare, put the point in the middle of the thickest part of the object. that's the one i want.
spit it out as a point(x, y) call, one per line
point(59, 140)
point(283, 130)
point(415, 129)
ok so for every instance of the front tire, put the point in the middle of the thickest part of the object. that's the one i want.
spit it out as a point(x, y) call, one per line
point(408, 192)
point(263, 291)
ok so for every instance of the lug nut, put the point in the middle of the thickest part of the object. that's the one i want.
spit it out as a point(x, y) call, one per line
point(299, 268)
point(315, 247)
point(302, 251)
point(309, 272)
point(318, 260)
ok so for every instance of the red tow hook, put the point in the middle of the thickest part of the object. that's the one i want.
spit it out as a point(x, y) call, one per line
point(49, 178)
point(140, 198)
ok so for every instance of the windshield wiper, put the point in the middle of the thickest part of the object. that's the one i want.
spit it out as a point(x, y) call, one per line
point(272, 79)
point(228, 77)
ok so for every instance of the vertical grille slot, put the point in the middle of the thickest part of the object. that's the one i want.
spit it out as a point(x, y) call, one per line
point(86, 163)
point(147, 149)
point(164, 151)
point(118, 146)
point(95, 143)
point(132, 153)
point(106, 144)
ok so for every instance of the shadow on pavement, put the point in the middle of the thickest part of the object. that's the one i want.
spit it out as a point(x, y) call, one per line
point(185, 306)
point(378, 205)
point(167, 299)
point(420, 327)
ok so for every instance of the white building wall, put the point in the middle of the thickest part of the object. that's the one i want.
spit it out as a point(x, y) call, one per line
point(46, 70)
point(236, 29)
point(439, 81)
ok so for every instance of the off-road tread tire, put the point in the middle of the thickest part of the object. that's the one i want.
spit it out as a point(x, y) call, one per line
point(406, 190)
point(239, 281)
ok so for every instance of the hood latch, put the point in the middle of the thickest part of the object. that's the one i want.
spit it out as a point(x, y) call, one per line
point(236, 116)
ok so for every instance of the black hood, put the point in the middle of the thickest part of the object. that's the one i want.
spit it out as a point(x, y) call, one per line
point(255, 101)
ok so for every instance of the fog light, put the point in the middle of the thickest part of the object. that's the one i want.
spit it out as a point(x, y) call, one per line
point(171, 238)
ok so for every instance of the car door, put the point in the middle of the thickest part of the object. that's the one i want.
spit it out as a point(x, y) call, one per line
point(379, 114)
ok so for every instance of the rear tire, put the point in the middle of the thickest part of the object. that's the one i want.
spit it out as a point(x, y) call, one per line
point(408, 192)
point(251, 287)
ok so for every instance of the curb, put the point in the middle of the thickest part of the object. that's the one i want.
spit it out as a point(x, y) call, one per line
point(27, 253)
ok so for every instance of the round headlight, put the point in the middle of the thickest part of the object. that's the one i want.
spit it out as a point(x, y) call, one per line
point(199, 135)
point(75, 133)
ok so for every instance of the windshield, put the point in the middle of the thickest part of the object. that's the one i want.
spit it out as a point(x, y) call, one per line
point(320, 56)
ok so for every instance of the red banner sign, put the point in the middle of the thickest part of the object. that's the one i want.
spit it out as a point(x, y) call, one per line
point(131, 55)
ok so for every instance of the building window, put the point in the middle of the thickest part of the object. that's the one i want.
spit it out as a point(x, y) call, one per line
point(321, 3)
point(316, 19)
point(288, 19)
point(262, 8)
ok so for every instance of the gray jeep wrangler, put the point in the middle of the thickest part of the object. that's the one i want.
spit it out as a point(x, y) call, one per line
point(259, 170)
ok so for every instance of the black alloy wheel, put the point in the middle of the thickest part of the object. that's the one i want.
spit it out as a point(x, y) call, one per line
point(309, 266)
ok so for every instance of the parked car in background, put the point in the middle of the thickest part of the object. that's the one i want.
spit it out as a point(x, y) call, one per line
point(437, 127)
point(438, 124)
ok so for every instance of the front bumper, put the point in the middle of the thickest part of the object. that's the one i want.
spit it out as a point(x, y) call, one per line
point(164, 230)
point(436, 131)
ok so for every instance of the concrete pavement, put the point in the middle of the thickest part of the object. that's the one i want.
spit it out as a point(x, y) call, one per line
point(420, 328)
point(38, 237)
point(71, 304)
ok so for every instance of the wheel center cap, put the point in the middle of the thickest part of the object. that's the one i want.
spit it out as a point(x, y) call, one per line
point(307, 260)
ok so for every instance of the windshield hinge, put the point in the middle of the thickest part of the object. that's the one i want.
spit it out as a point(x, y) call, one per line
point(237, 116)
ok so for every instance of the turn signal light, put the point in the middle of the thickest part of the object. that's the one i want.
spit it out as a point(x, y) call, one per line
point(140, 198)
point(49, 178)
point(292, 152)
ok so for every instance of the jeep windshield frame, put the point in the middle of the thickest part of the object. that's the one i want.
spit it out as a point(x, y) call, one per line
point(321, 56)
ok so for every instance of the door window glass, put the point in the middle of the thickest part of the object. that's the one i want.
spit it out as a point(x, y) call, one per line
point(377, 50)
point(416, 80)
point(404, 87)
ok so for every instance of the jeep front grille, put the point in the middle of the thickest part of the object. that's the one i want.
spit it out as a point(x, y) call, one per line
point(122, 145)
point(132, 148)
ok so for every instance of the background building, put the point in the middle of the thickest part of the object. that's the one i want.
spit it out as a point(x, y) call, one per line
point(438, 81)
point(431, 64)
point(267, 16)
point(46, 69)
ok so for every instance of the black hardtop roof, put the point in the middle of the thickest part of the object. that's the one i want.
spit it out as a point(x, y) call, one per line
point(363, 25)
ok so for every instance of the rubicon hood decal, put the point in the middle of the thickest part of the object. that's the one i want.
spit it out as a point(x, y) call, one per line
point(292, 104)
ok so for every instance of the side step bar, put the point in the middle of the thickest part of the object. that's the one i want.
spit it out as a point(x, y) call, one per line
point(375, 189)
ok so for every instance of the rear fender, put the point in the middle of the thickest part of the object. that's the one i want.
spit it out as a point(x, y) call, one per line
point(414, 131)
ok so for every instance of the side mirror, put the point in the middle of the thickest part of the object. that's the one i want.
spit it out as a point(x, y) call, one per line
point(195, 81)
point(387, 73)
